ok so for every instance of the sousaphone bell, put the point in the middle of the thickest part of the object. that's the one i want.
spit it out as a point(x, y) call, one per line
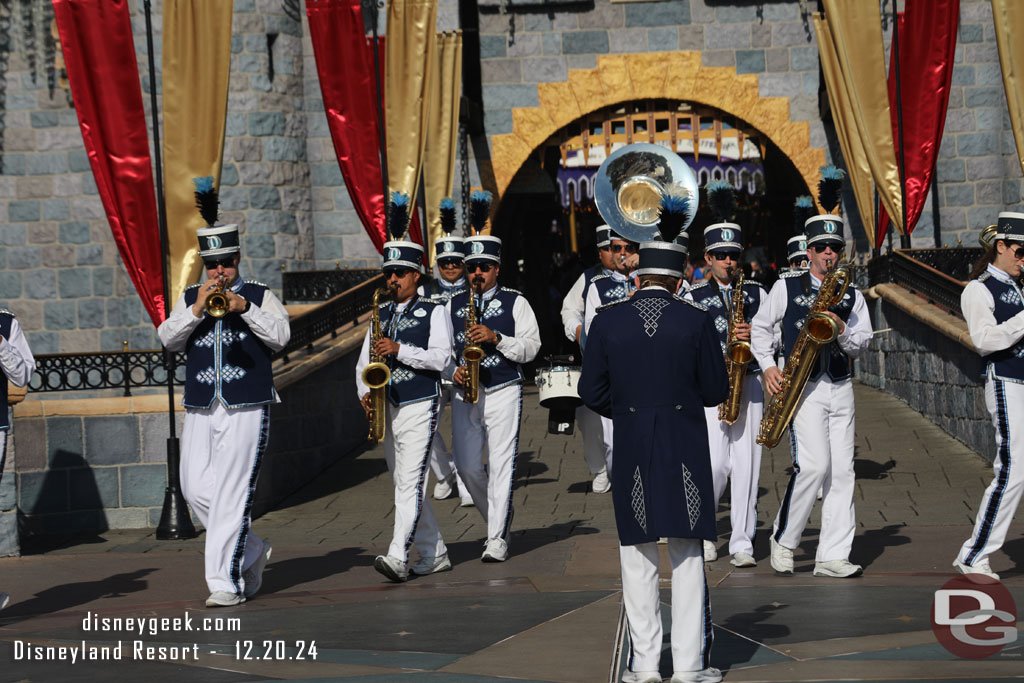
point(630, 183)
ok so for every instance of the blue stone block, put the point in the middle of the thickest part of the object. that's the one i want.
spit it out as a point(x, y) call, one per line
point(950, 171)
point(662, 39)
point(78, 161)
point(23, 258)
point(59, 315)
point(261, 83)
point(326, 174)
point(228, 175)
point(12, 164)
point(286, 223)
point(651, 14)
point(64, 445)
point(74, 282)
point(963, 74)
point(266, 123)
point(736, 12)
point(102, 281)
point(235, 125)
point(248, 63)
point(498, 121)
point(10, 285)
point(259, 246)
point(803, 58)
point(74, 232)
point(284, 149)
point(89, 255)
point(21, 100)
point(8, 495)
point(260, 222)
point(977, 144)
point(971, 33)
point(236, 42)
point(44, 119)
point(91, 314)
point(89, 184)
point(57, 209)
point(111, 440)
point(144, 337)
point(40, 492)
point(493, 47)
point(23, 211)
point(47, 163)
point(233, 198)
point(41, 284)
point(264, 198)
point(987, 96)
point(13, 235)
point(510, 96)
point(43, 342)
point(256, 42)
point(960, 195)
point(143, 485)
point(93, 488)
point(585, 43)
point(749, 61)
point(282, 23)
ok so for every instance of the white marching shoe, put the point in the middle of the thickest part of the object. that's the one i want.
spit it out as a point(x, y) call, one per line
point(431, 565)
point(444, 488)
point(224, 599)
point(391, 567)
point(641, 677)
point(710, 552)
point(708, 675)
point(838, 569)
point(743, 560)
point(602, 483)
point(982, 568)
point(782, 558)
point(495, 550)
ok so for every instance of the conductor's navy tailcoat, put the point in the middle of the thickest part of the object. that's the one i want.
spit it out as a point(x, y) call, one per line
point(652, 363)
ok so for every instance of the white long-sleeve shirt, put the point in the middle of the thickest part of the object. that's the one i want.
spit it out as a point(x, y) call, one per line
point(435, 357)
point(854, 338)
point(522, 347)
point(979, 306)
point(593, 301)
point(268, 321)
point(16, 358)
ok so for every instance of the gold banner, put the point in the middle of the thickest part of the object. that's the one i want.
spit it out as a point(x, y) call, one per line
point(196, 68)
point(856, 28)
point(409, 53)
point(850, 137)
point(1008, 16)
point(442, 132)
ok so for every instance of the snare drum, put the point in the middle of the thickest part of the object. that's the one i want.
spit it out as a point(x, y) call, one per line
point(557, 386)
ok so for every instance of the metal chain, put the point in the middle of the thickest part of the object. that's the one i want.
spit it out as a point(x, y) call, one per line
point(464, 172)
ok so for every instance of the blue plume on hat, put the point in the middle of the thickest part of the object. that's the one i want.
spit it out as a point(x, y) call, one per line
point(803, 208)
point(398, 213)
point(447, 216)
point(722, 200)
point(673, 213)
point(479, 209)
point(830, 187)
point(207, 200)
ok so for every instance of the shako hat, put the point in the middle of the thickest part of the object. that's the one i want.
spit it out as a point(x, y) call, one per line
point(214, 240)
point(666, 256)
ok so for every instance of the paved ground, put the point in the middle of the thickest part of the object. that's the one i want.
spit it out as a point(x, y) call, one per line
point(548, 614)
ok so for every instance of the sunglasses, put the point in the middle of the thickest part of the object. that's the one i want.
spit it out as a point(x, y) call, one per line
point(449, 263)
point(722, 255)
point(397, 272)
point(482, 267)
point(227, 262)
point(1018, 253)
point(820, 248)
point(628, 248)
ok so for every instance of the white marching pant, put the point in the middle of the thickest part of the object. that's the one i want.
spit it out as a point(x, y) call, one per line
point(1005, 402)
point(442, 461)
point(736, 457)
point(492, 422)
point(597, 447)
point(608, 430)
point(407, 451)
point(822, 441)
point(220, 464)
point(691, 606)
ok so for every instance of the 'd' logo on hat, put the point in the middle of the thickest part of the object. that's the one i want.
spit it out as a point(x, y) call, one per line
point(727, 235)
point(213, 242)
point(477, 248)
point(803, 245)
point(448, 246)
point(829, 227)
point(394, 254)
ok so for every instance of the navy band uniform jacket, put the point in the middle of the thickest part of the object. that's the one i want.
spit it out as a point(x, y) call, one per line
point(652, 363)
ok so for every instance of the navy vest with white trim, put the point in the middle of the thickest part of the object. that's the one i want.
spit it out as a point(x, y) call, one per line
point(1005, 364)
point(801, 294)
point(589, 274)
point(410, 327)
point(717, 301)
point(439, 288)
point(225, 360)
point(611, 289)
point(496, 371)
point(6, 317)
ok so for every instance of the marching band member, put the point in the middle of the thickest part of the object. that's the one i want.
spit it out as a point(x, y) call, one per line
point(822, 431)
point(507, 332)
point(596, 449)
point(652, 364)
point(16, 366)
point(229, 387)
point(417, 342)
point(735, 454)
point(993, 307)
point(450, 278)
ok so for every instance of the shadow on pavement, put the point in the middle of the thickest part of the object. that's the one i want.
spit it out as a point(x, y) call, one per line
point(869, 546)
point(286, 574)
point(348, 472)
point(869, 469)
point(732, 650)
point(70, 595)
point(521, 541)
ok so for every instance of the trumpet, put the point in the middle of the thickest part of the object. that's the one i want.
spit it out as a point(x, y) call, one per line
point(217, 303)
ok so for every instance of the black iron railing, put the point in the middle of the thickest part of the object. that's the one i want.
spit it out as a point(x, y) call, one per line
point(938, 275)
point(103, 370)
point(131, 369)
point(321, 285)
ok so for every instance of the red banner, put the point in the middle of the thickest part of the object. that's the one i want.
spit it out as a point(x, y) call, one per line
point(99, 50)
point(344, 62)
point(927, 34)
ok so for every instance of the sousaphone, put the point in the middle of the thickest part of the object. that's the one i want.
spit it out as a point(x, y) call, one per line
point(629, 185)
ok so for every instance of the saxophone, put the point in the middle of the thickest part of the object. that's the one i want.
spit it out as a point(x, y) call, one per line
point(737, 356)
point(819, 330)
point(377, 374)
point(471, 353)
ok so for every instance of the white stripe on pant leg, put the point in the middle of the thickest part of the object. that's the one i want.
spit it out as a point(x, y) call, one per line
point(502, 415)
point(999, 504)
point(468, 440)
point(746, 467)
point(691, 643)
point(642, 599)
point(838, 520)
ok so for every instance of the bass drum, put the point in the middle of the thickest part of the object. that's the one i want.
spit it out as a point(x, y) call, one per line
point(557, 386)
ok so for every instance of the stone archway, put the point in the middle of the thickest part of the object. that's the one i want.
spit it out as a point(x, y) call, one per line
point(652, 75)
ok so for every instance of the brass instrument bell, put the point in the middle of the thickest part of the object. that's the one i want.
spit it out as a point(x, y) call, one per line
point(217, 303)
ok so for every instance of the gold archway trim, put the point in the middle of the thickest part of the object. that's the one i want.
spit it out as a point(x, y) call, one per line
point(652, 75)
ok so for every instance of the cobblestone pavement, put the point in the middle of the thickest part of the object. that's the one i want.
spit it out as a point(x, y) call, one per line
point(548, 614)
